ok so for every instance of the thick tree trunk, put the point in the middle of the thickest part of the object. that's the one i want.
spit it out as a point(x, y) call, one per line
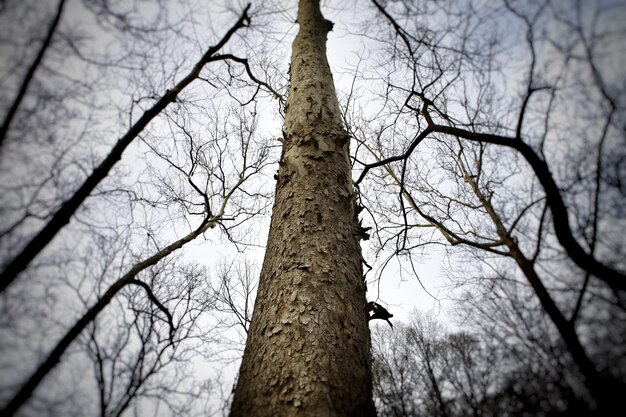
point(308, 349)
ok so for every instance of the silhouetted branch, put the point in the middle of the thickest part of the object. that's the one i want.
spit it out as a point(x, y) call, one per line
point(6, 123)
point(62, 216)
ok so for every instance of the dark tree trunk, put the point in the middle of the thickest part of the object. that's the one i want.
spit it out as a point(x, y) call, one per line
point(17, 101)
point(308, 349)
point(54, 357)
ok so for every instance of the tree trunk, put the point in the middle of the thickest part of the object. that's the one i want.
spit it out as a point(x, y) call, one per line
point(28, 78)
point(308, 349)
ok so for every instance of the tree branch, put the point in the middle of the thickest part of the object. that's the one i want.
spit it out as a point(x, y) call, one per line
point(54, 356)
point(69, 207)
point(562, 228)
point(30, 74)
point(156, 302)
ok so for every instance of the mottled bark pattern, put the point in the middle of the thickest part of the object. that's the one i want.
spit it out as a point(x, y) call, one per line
point(308, 350)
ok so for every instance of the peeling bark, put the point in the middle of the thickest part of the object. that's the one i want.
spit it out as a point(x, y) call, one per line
point(308, 348)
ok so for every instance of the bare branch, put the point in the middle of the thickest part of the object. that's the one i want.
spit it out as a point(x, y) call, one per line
point(62, 216)
point(6, 123)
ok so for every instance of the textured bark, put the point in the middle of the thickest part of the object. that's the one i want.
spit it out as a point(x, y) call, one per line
point(308, 349)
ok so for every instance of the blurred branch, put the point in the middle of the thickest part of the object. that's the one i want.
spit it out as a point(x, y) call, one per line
point(6, 123)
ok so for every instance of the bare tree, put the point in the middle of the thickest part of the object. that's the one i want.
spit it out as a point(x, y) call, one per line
point(467, 228)
point(396, 374)
point(234, 292)
point(26, 81)
point(435, 115)
point(69, 207)
point(144, 357)
point(490, 179)
point(537, 374)
point(307, 351)
point(205, 180)
point(493, 131)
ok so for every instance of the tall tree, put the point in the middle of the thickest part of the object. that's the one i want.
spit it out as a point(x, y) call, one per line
point(308, 348)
